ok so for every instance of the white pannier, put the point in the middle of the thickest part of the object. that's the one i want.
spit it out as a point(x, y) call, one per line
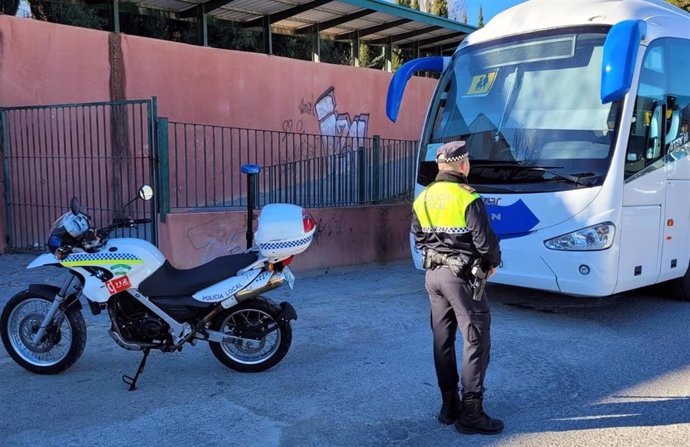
point(284, 230)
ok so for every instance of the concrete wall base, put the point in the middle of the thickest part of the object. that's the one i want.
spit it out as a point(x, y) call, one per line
point(345, 236)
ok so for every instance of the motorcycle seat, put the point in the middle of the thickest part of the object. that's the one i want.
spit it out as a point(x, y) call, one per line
point(169, 281)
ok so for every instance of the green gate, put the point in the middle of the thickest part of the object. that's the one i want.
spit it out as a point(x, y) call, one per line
point(100, 153)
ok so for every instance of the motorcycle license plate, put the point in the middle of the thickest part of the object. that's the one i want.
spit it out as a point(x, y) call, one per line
point(289, 277)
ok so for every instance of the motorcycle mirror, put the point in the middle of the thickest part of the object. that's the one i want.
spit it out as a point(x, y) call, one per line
point(74, 205)
point(146, 192)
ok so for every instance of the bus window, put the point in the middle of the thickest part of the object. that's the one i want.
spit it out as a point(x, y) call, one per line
point(661, 116)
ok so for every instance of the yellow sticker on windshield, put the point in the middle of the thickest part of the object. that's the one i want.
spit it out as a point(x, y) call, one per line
point(481, 84)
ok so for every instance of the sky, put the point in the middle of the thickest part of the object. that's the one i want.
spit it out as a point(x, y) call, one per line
point(489, 7)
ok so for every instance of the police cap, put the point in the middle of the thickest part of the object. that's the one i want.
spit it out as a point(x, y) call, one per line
point(451, 152)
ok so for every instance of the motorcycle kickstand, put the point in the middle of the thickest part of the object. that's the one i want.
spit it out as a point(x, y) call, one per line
point(132, 381)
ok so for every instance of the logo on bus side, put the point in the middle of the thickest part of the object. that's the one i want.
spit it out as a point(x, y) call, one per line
point(492, 202)
point(512, 220)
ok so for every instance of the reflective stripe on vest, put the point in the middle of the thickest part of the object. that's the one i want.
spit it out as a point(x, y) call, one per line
point(441, 208)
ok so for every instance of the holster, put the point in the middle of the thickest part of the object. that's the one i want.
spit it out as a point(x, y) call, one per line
point(479, 277)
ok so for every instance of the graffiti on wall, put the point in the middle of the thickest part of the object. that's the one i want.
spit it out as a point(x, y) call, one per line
point(216, 238)
point(338, 132)
point(348, 133)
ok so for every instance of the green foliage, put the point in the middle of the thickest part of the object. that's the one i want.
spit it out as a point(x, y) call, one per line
point(440, 8)
point(480, 22)
point(400, 56)
point(296, 47)
point(9, 7)
point(682, 4)
point(414, 4)
point(231, 37)
point(403, 2)
point(145, 26)
point(371, 57)
point(397, 59)
point(333, 52)
point(69, 14)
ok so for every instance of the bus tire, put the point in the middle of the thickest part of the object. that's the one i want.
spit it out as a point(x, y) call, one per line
point(679, 288)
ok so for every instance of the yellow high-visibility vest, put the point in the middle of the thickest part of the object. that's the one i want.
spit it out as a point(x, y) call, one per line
point(441, 207)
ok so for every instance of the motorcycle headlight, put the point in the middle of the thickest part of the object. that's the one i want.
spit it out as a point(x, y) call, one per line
point(54, 242)
point(596, 237)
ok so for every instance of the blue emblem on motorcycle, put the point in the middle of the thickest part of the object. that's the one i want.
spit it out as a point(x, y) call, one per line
point(511, 221)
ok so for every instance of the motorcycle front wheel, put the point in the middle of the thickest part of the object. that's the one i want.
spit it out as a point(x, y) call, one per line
point(62, 344)
point(252, 354)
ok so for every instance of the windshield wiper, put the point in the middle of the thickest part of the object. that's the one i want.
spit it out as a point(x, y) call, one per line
point(582, 180)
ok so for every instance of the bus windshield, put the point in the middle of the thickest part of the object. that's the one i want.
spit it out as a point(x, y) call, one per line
point(530, 112)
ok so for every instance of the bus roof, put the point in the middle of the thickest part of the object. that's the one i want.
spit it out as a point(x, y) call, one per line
point(663, 19)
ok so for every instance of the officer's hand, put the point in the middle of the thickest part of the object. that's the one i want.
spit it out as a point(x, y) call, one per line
point(491, 272)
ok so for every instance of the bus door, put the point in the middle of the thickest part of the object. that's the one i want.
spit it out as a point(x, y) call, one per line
point(644, 189)
point(657, 168)
point(676, 223)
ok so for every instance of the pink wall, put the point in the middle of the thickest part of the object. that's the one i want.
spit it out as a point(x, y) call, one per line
point(43, 63)
point(240, 89)
point(345, 236)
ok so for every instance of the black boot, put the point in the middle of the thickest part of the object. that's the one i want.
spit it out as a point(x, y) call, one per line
point(473, 419)
point(450, 410)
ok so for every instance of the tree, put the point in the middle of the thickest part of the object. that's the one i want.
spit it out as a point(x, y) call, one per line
point(370, 57)
point(414, 4)
point(440, 8)
point(464, 16)
point(403, 2)
point(682, 4)
point(9, 7)
point(480, 22)
point(69, 14)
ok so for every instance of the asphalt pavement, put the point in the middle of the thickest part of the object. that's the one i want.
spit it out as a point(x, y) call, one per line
point(564, 371)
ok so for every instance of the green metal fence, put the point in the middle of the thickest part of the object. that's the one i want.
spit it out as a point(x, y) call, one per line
point(100, 153)
point(305, 169)
point(103, 152)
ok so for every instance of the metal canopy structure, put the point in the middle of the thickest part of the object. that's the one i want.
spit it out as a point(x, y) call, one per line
point(372, 22)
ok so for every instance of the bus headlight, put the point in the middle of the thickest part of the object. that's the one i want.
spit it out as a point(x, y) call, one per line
point(596, 237)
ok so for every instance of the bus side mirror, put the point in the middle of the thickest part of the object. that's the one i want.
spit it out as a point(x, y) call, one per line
point(620, 54)
point(396, 88)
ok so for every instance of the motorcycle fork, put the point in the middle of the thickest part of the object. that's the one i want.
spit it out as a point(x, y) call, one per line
point(57, 302)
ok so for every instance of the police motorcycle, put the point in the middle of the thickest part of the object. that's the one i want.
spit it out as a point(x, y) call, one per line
point(153, 305)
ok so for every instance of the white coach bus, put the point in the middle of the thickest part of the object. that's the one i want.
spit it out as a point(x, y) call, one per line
point(576, 115)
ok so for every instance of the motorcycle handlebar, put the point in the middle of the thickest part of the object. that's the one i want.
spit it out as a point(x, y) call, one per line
point(127, 221)
point(104, 233)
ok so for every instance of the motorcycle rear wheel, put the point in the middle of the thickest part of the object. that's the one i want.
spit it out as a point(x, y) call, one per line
point(60, 348)
point(251, 355)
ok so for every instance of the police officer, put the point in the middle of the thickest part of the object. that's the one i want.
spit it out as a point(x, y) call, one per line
point(451, 228)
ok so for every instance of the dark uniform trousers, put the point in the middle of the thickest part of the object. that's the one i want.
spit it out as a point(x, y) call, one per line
point(452, 306)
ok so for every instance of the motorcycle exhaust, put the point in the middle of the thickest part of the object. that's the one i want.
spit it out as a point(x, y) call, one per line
point(124, 344)
point(273, 283)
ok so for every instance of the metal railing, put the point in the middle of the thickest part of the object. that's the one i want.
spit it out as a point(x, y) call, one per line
point(100, 153)
point(305, 169)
